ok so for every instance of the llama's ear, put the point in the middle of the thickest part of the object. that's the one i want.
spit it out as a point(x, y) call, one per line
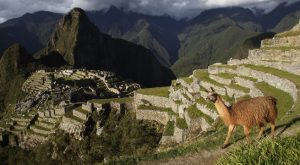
point(212, 89)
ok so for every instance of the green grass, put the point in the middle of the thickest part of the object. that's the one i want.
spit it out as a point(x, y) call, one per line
point(181, 123)
point(248, 78)
point(36, 133)
point(155, 108)
point(204, 76)
point(288, 34)
point(282, 151)
point(159, 91)
point(232, 76)
point(226, 66)
point(194, 113)
point(119, 100)
point(41, 128)
point(280, 73)
point(208, 104)
point(169, 130)
point(79, 109)
point(238, 87)
point(244, 97)
point(284, 100)
point(187, 80)
point(226, 75)
point(283, 48)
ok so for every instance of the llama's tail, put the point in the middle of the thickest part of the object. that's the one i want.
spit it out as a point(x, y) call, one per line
point(273, 99)
point(274, 103)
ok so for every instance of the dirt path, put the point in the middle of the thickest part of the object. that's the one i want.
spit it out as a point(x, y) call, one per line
point(199, 158)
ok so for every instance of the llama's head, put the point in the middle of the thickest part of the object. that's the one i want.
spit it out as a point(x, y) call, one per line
point(212, 95)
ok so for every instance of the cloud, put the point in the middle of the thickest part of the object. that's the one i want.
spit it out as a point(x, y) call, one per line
point(15, 8)
point(176, 8)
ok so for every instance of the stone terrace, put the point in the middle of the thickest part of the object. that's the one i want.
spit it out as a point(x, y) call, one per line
point(272, 70)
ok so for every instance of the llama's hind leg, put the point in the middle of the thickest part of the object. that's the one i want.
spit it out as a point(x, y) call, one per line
point(230, 130)
point(247, 132)
point(273, 130)
point(261, 131)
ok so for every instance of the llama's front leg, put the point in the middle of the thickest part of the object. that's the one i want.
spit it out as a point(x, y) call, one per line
point(247, 132)
point(230, 130)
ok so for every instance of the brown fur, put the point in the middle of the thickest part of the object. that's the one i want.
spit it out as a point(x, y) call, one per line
point(254, 111)
point(248, 113)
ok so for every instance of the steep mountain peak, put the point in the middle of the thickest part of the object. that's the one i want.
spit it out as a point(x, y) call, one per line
point(74, 16)
point(74, 35)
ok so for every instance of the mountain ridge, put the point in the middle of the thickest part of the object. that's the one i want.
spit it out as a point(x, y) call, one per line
point(162, 36)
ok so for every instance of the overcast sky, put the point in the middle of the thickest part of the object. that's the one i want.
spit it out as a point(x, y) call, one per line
point(176, 8)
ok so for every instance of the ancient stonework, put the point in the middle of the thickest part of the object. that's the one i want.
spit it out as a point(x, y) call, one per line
point(140, 99)
point(160, 117)
point(72, 127)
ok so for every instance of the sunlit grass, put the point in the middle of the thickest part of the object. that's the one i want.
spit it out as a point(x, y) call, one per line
point(282, 151)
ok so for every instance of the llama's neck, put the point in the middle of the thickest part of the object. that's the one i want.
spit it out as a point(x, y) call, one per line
point(222, 110)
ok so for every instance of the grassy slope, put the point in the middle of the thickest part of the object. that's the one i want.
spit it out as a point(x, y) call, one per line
point(281, 151)
point(159, 91)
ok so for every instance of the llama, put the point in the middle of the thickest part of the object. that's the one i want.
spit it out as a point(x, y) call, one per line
point(249, 112)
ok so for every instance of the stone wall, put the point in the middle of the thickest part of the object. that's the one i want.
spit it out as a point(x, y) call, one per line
point(272, 80)
point(158, 116)
point(88, 107)
point(41, 131)
point(178, 137)
point(203, 108)
point(60, 111)
point(72, 127)
point(207, 86)
point(281, 42)
point(254, 92)
point(274, 55)
point(289, 66)
point(41, 114)
point(80, 115)
point(220, 79)
point(153, 100)
point(46, 125)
